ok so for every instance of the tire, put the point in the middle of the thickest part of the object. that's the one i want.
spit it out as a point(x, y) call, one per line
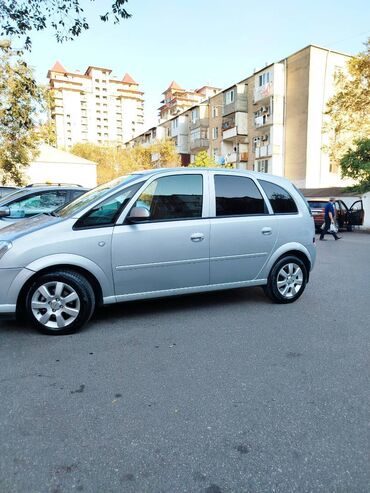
point(280, 287)
point(47, 308)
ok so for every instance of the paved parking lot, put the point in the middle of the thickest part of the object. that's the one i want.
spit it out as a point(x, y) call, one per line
point(223, 392)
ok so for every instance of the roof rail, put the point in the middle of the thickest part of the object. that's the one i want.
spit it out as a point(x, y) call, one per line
point(53, 185)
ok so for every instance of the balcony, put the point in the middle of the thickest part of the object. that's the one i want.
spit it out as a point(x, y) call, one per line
point(263, 92)
point(229, 133)
point(199, 144)
point(199, 123)
point(260, 121)
point(263, 151)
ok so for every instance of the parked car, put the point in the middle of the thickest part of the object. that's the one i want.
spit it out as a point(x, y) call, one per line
point(6, 190)
point(36, 199)
point(345, 217)
point(153, 234)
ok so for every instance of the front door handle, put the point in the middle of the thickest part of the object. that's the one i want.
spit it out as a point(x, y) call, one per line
point(266, 231)
point(196, 237)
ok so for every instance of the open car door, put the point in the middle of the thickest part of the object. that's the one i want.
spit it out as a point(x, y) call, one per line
point(356, 214)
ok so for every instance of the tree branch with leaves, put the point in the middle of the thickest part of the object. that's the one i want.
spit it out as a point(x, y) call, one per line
point(19, 98)
point(19, 18)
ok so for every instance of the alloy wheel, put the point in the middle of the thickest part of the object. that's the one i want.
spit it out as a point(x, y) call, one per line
point(289, 280)
point(55, 304)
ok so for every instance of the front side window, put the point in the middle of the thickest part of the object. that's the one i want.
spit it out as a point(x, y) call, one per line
point(236, 195)
point(37, 203)
point(281, 201)
point(173, 197)
point(107, 212)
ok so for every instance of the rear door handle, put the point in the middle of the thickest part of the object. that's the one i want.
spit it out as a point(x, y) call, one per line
point(196, 237)
point(266, 231)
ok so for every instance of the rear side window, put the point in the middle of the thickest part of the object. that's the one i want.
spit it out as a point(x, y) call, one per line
point(317, 205)
point(236, 196)
point(281, 201)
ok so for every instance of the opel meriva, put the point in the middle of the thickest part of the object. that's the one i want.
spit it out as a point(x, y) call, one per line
point(157, 233)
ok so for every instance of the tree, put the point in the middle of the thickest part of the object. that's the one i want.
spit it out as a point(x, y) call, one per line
point(19, 97)
point(349, 109)
point(46, 128)
point(356, 164)
point(204, 160)
point(166, 154)
point(19, 18)
point(114, 161)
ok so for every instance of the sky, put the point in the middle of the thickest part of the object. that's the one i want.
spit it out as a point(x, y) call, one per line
point(198, 42)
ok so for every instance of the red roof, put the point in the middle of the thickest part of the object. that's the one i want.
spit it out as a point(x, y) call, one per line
point(174, 85)
point(128, 79)
point(58, 67)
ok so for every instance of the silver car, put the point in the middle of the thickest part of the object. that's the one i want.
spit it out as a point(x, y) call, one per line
point(157, 233)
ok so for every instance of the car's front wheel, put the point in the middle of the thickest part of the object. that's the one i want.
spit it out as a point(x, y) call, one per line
point(60, 302)
point(287, 280)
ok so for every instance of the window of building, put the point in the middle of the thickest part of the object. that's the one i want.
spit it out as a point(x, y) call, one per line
point(237, 196)
point(281, 201)
point(195, 115)
point(229, 96)
point(215, 133)
point(263, 79)
point(194, 134)
point(173, 197)
point(214, 111)
point(262, 166)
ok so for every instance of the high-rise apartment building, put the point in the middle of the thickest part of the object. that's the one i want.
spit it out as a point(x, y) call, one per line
point(176, 99)
point(94, 106)
point(272, 121)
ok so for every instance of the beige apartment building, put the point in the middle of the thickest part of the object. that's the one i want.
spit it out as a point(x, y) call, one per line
point(176, 99)
point(272, 121)
point(94, 106)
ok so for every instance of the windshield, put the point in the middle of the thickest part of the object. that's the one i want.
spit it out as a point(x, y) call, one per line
point(14, 195)
point(89, 197)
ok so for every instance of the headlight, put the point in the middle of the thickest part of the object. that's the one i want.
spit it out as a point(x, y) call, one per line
point(4, 247)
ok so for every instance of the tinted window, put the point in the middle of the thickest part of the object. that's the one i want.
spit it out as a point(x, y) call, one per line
point(281, 201)
point(236, 196)
point(37, 203)
point(107, 212)
point(317, 205)
point(173, 197)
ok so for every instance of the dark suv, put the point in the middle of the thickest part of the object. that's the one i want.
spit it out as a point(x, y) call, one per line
point(345, 217)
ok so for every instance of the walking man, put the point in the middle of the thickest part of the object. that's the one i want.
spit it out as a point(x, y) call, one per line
point(329, 220)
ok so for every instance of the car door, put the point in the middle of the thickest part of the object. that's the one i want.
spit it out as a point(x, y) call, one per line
point(243, 233)
point(356, 214)
point(169, 251)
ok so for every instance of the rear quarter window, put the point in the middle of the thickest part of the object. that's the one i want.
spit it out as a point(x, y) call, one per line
point(281, 201)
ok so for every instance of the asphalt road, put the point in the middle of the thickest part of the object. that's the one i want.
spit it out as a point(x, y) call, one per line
point(223, 392)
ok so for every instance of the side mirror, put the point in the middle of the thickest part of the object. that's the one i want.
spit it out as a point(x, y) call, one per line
point(138, 215)
point(4, 212)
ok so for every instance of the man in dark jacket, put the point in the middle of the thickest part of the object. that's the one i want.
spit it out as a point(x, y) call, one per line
point(329, 220)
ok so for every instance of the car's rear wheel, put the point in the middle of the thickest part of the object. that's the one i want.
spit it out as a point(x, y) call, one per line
point(287, 280)
point(60, 302)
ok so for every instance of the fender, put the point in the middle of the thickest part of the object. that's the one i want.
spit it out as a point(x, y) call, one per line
point(105, 282)
point(286, 248)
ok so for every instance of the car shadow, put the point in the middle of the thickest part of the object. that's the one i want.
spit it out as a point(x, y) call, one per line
point(181, 304)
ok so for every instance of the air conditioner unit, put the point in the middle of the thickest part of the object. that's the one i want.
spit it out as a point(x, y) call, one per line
point(265, 137)
point(264, 109)
point(256, 139)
